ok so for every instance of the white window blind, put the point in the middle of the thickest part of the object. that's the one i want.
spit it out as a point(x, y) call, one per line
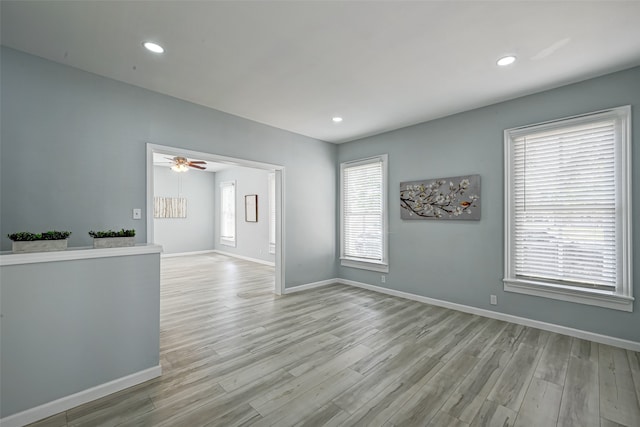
point(362, 211)
point(272, 212)
point(228, 212)
point(568, 209)
point(565, 205)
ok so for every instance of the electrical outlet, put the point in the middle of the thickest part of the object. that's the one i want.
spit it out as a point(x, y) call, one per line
point(494, 300)
point(383, 279)
point(137, 213)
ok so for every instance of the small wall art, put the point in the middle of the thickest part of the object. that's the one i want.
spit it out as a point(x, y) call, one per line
point(456, 198)
point(169, 207)
point(251, 208)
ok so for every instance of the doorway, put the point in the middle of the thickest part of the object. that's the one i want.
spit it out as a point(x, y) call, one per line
point(278, 171)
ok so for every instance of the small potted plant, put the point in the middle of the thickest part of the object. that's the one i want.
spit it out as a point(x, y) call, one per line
point(113, 239)
point(48, 241)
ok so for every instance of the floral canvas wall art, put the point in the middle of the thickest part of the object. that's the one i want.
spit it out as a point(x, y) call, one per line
point(456, 198)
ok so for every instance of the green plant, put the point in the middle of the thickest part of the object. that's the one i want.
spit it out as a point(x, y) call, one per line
point(111, 233)
point(25, 236)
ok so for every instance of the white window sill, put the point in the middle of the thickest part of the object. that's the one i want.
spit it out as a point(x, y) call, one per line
point(365, 265)
point(227, 242)
point(595, 297)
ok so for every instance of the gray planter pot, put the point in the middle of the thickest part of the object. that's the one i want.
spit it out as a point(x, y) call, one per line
point(113, 242)
point(39, 246)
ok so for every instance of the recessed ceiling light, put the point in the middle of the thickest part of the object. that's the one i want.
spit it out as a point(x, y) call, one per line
point(337, 119)
point(153, 47)
point(507, 60)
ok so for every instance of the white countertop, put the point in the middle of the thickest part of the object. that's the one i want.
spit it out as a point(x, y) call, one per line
point(9, 258)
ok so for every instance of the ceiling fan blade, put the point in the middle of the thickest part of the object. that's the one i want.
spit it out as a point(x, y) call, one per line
point(198, 162)
point(197, 167)
point(173, 159)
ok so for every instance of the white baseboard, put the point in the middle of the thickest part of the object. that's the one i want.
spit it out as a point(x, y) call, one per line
point(246, 258)
point(564, 330)
point(65, 403)
point(313, 285)
point(208, 251)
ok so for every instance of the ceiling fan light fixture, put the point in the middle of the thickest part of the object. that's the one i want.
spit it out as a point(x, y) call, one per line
point(153, 47)
point(180, 167)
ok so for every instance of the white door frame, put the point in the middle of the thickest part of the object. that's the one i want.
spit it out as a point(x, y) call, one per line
point(279, 171)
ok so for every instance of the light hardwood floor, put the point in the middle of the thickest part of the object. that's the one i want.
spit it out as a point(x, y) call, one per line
point(233, 353)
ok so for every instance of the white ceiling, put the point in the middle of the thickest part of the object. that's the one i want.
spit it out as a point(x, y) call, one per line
point(295, 64)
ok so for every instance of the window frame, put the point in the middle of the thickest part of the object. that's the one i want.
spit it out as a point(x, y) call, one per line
point(346, 261)
point(622, 297)
point(226, 240)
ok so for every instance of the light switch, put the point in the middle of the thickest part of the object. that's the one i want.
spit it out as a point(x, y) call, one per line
point(137, 214)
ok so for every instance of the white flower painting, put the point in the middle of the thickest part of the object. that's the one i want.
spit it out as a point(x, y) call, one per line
point(443, 198)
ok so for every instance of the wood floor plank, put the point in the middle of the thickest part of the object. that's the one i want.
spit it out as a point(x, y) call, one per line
point(580, 405)
point(510, 337)
point(541, 404)
point(634, 364)
point(494, 415)
point(246, 374)
point(618, 400)
point(484, 340)
point(442, 419)
point(204, 412)
point(241, 415)
point(608, 423)
point(312, 400)
point(585, 350)
point(303, 365)
point(378, 379)
point(58, 420)
point(468, 398)
point(329, 415)
point(277, 397)
point(378, 410)
point(113, 414)
point(421, 407)
point(553, 363)
point(234, 353)
point(512, 385)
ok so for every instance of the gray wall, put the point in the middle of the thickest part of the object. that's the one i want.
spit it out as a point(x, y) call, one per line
point(74, 155)
point(252, 238)
point(462, 262)
point(196, 231)
point(96, 321)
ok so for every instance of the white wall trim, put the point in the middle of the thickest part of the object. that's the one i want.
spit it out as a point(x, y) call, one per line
point(246, 258)
point(177, 254)
point(530, 287)
point(578, 333)
point(313, 285)
point(65, 403)
point(280, 270)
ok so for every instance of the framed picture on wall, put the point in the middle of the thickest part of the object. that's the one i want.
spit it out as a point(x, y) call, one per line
point(251, 208)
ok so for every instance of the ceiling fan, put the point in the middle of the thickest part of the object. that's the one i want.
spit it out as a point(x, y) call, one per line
point(182, 164)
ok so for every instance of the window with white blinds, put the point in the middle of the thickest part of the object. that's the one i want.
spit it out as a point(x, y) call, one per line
point(568, 202)
point(228, 213)
point(272, 213)
point(364, 214)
